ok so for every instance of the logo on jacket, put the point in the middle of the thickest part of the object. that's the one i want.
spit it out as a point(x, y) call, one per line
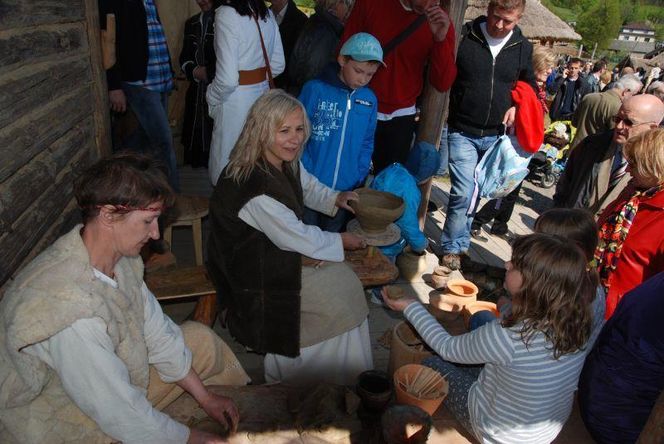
point(363, 102)
point(326, 118)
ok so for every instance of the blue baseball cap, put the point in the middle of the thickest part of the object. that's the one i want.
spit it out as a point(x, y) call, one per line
point(363, 47)
point(423, 161)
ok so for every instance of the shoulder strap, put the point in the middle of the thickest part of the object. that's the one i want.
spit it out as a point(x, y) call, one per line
point(267, 60)
point(403, 35)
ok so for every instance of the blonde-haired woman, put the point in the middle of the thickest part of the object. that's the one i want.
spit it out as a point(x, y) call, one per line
point(310, 321)
point(631, 246)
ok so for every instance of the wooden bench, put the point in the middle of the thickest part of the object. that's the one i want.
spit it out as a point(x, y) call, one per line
point(186, 283)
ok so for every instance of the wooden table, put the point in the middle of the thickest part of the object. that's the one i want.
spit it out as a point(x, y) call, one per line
point(186, 283)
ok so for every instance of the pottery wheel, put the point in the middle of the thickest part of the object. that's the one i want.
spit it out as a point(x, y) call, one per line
point(390, 235)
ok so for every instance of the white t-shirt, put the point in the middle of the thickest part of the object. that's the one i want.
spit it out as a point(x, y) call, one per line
point(495, 45)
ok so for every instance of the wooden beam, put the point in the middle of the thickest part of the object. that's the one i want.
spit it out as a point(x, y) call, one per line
point(33, 45)
point(102, 116)
point(30, 135)
point(31, 86)
point(24, 13)
point(435, 103)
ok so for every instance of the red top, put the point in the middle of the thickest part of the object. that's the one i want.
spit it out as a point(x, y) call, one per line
point(643, 251)
point(399, 85)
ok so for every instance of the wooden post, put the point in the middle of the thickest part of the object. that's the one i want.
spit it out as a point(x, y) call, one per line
point(102, 115)
point(435, 104)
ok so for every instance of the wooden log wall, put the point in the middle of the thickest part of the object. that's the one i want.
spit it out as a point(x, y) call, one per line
point(53, 120)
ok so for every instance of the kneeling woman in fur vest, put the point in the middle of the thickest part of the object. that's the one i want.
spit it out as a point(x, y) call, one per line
point(309, 320)
point(86, 353)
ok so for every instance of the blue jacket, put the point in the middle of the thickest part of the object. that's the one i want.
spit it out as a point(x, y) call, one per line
point(343, 123)
point(397, 180)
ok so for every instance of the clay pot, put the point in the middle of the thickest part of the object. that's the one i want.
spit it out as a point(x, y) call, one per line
point(374, 389)
point(376, 209)
point(420, 386)
point(456, 295)
point(411, 265)
point(476, 306)
point(406, 347)
point(439, 282)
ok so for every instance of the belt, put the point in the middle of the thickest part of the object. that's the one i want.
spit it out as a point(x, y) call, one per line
point(253, 76)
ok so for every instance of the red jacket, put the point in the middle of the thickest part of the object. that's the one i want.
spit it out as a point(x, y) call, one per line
point(643, 251)
point(399, 85)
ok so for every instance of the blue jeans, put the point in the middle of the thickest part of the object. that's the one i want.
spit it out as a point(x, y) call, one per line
point(151, 109)
point(444, 152)
point(465, 152)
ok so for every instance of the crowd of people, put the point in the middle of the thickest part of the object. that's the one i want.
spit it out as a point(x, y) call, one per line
point(291, 114)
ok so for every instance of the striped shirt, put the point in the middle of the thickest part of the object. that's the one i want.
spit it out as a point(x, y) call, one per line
point(523, 394)
point(159, 75)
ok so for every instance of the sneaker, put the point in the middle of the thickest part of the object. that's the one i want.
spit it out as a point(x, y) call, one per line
point(451, 261)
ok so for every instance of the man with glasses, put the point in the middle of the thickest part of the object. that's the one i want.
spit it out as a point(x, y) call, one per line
point(596, 172)
point(596, 111)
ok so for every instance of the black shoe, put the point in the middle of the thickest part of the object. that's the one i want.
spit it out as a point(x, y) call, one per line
point(476, 232)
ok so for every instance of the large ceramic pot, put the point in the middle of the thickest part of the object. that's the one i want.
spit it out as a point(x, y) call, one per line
point(376, 209)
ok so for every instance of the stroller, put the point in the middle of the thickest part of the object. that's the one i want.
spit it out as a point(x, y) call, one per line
point(548, 163)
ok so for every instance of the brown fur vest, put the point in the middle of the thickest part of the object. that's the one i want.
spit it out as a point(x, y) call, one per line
point(258, 282)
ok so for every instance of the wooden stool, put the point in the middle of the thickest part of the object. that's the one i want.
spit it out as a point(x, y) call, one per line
point(189, 210)
point(186, 283)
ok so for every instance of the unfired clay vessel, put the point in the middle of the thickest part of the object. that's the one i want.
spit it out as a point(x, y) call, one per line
point(376, 209)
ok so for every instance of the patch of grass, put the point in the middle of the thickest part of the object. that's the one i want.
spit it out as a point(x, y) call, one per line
point(566, 14)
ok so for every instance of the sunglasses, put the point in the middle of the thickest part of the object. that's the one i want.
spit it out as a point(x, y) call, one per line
point(629, 123)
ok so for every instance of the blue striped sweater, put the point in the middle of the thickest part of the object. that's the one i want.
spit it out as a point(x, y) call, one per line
point(523, 394)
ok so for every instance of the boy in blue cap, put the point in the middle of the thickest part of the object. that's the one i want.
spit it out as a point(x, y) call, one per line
point(342, 111)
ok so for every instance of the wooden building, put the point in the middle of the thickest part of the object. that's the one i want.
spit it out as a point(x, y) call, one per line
point(53, 119)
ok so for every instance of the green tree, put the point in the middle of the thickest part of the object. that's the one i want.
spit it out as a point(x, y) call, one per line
point(600, 24)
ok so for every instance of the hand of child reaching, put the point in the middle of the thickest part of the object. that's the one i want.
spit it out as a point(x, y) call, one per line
point(344, 198)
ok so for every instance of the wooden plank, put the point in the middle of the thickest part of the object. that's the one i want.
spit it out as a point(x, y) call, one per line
point(31, 86)
point(24, 13)
point(18, 242)
point(20, 190)
point(177, 283)
point(30, 135)
point(18, 48)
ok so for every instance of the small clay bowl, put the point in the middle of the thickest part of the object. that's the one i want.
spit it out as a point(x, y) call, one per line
point(376, 209)
point(476, 306)
point(406, 376)
point(374, 389)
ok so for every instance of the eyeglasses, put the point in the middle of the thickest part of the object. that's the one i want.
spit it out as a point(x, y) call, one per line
point(629, 123)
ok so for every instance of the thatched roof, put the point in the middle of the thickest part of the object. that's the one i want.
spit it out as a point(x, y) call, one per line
point(537, 23)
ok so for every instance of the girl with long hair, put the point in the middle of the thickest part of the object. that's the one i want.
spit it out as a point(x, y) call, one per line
point(287, 291)
point(532, 359)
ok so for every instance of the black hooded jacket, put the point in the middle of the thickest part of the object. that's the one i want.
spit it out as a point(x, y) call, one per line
point(481, 93)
